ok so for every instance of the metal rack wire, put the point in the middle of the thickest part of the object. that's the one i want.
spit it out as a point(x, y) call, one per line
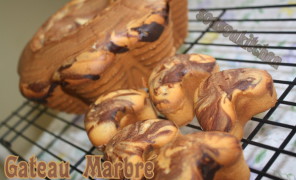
point(30, 116)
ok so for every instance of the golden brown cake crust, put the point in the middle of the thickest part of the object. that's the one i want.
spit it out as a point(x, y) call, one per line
point(86, 49)
point(114, 111)
point(135, 142)
point(228, 99)
point(202, 155)
point(173, 82)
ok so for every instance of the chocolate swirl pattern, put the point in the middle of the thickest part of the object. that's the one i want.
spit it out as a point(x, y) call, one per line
point(202, 155)
point(86, 49)
point(138, 142)
point(228, 99)
point(114, 111)
point(173, 82)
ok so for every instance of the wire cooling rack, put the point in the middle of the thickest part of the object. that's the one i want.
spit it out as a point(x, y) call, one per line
point(269, 141)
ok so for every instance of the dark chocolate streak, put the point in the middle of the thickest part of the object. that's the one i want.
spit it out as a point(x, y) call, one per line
point(222, 120)
point(213, 116)
point(151, 131)
point(149, 32)
point(208, 166)
point(111, 115)
point(206, 66)
point(37, 88)
point(161, 133)
point(114, 48)
point(78, 76)
point(240, 84)
point(91, 76)
point(208, 117)
point(196, 154)
point(135, 151)
point(228, 125)
point(65, 67)
point(164, 13)
point(269, 87)
point(144, 141)
point(107, 110)
point(177, 73)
